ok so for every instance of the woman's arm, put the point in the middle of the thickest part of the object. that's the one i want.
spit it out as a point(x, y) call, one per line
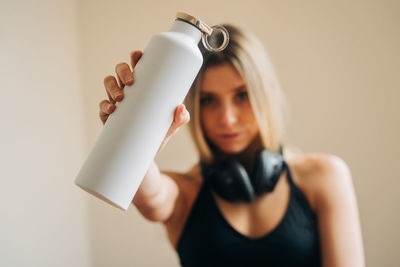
point(156, 196)
point(338, 219)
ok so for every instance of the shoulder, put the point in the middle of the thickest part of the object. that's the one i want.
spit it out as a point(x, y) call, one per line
point(322, 177)
point(187, 181)
point(317, 164)
point(329, 183)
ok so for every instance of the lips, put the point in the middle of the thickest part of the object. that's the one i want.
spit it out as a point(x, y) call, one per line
point(230, 135)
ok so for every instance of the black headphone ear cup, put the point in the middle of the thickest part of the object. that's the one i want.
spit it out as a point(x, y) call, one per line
point(242, 180)
point(230, 180)
point(258, 173)
point(267, 170)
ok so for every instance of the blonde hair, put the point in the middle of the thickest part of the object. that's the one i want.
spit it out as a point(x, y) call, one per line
point(247, 54)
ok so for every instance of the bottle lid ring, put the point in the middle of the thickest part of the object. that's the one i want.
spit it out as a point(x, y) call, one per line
point(224, 44)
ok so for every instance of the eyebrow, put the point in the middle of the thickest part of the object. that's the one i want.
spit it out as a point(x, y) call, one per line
point(239, 88)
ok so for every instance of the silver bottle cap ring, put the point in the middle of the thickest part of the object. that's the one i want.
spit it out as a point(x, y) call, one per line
point(224, 44)
point(206, 30)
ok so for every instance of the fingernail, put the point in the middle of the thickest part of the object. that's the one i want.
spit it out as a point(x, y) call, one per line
point(186, 115)
point(118, 96)
point(109, 108)
point(128, 79)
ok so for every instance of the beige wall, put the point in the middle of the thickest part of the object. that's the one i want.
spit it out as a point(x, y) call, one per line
point(337, 62)
point(42, 136)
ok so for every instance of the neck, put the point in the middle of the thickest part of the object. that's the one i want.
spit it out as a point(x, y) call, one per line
point(246, 157)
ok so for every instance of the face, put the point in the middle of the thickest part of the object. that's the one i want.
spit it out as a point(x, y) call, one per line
point(226, 115)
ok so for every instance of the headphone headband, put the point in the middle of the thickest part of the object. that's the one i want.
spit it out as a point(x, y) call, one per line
point(232, 182)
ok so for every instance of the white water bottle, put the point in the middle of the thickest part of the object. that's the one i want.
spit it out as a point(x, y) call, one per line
point(133, 133)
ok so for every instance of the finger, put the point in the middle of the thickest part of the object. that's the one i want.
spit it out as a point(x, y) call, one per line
point(120, 83)
point(114, 92)
point(124, 74)
point(110, 98)
point(135, 56)
point(106, 108)
point(103, 117)
point(163, 144)
point(181, 117)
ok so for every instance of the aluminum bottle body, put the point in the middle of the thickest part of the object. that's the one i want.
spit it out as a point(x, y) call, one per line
point(133, 133)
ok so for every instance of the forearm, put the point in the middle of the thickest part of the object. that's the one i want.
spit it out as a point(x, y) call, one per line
point(156, 194)
point(150, 186)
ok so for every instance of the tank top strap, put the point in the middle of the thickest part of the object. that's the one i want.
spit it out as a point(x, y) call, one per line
point(296, 192)
point(289, 174)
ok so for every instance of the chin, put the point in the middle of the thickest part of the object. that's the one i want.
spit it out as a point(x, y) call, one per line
point(233, 149)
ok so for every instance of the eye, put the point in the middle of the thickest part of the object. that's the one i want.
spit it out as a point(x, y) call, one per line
point(206, 100)
point(242, 95)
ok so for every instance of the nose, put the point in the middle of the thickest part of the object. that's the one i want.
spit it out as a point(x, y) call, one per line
point(228, 115)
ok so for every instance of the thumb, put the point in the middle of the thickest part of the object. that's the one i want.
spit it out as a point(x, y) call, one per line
point(181, 117)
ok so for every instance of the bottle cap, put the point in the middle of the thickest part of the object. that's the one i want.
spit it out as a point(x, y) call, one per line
point(207, 30)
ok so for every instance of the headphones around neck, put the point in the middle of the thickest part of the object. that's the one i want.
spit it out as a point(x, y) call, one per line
point(231, 181)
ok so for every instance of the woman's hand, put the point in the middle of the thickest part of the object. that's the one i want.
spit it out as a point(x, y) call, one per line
point(115, 94)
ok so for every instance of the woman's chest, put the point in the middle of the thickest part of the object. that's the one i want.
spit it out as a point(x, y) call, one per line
point(260, 217)
point(219, 234)
point(251, 220)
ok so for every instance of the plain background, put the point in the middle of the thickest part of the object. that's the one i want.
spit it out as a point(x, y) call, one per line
point(337, 61)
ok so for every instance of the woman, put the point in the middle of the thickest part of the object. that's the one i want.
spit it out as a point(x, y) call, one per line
point(308, 218)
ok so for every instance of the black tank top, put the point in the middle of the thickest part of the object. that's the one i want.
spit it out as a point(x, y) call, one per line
point(208, 239)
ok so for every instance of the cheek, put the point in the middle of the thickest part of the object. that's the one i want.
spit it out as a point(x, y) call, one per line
point(251, 120)
point(205, 121)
